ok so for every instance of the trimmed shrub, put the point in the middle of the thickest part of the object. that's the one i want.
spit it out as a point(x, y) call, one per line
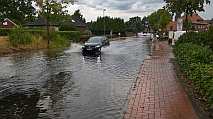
point(202, 77)
point(36, 32)
point(4, 32)
point(58, 41)
point(70, 35)
point(197, 62)
point(67, 28)
point(20, 37)
point(199, 38)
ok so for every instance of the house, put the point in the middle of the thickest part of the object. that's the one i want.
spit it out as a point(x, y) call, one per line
point(210, 22)
point(77, 23)
point(198, 23)
point(172, 26)
point(7, 23)
point(41, 22)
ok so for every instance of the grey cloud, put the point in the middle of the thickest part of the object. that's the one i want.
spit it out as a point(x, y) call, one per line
point(127, 8)
point(127, 5)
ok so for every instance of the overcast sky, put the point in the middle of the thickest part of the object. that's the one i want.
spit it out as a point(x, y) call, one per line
point(125, 9)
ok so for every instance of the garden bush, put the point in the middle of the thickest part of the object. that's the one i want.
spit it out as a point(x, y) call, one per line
point(58, 41)
point(199, 38)
point(202, 77)
point(20, 37)
point(36, 32)
point(67, 28)
point(197, 63)
point(70, 35)
point(4, 32)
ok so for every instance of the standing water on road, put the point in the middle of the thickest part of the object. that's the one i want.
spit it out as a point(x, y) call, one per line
point(66, 85)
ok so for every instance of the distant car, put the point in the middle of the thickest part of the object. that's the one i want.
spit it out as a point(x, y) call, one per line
point(94, 44)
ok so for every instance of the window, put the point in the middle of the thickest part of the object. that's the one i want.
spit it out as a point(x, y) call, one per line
point(5, 23)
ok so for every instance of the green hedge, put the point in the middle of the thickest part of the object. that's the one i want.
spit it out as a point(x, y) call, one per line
point(25, 36)
point(197, 62)
point(67, 28)
point(36, 32)
point(20, 37)
point(58, 41)
point(202, 77)
point(70, 35)
point(4, 32)
point(199, 38)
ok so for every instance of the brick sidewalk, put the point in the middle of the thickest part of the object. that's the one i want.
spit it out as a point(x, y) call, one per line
point(157, 94)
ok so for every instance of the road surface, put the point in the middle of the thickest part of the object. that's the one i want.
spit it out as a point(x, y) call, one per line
point(63, 84)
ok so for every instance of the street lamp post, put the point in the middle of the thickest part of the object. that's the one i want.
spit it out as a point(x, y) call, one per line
point(104, 21)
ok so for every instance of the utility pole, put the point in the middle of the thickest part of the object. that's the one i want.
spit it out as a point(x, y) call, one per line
point(104, 22)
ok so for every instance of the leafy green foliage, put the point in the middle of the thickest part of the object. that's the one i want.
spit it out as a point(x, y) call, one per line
point(77, 15)
point(67, 28)
point(54, 11)
point(187, 25)
point(20, 37)
point(200, 38)
point(135, 24)
point(192, 53)
point(58, 41)
point(186, 6)
point(197, 62)
point(4, 32)
point(70, 35)
point(19, 11)
point(159, 20)
point(115, 24)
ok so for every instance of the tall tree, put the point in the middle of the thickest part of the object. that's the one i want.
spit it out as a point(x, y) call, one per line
point(188, 7)
point(135, 24)
point(20, 11)
point(51, 9)
point(158, 20)
point(117, 25)
point(77, 15)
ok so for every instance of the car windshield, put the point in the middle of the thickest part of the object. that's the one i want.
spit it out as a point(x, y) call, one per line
point(95, 40)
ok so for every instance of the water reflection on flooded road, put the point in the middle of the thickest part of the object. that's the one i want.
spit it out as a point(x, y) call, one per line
point(66, 85)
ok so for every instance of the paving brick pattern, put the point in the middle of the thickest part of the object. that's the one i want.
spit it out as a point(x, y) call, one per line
point(157, 94)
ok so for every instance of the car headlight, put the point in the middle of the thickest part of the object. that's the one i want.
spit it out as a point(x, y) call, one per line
point(98, 46)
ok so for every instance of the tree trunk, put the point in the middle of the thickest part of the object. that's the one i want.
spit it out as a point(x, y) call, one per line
point(187, 22)
point(177, 16)
point(47, 24)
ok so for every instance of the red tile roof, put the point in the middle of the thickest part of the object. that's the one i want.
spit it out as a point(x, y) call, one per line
point(194, 18)
point(172, 26)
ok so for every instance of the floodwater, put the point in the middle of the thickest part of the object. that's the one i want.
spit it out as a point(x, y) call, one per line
point(63, 84)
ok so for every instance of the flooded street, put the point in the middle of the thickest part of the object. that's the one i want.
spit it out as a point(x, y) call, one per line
point(66, 85)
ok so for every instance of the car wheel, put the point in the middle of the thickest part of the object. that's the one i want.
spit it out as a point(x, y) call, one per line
point(83, 52)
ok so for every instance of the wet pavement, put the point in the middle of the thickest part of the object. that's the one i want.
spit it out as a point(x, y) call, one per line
point(63, 84)
point(157, 93)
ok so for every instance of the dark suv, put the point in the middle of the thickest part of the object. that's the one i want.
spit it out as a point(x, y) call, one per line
point(94, 44)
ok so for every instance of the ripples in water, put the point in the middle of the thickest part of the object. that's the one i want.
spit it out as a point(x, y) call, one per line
point(67, 85)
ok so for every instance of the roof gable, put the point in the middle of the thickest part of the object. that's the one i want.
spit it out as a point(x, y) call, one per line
point(41, 21)
point(75, 22)
point(7, 23)
point(193, 18)
point(7, 19)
